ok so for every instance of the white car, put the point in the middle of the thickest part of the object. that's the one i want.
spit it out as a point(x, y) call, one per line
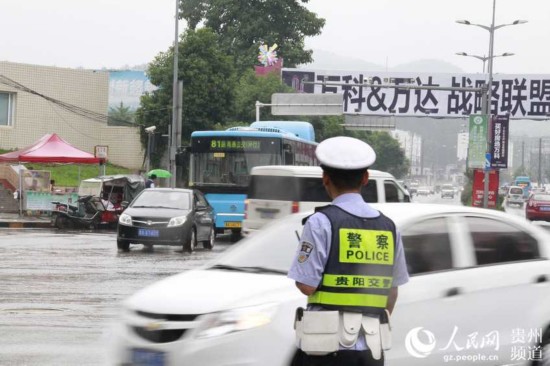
point(423, 191)
point(479, 293)
point(515, 196)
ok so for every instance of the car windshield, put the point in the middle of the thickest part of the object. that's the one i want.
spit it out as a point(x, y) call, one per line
point(272, 249)
point(516, 191)
point(163, 199)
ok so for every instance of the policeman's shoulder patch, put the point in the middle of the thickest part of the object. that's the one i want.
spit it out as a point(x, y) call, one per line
point(305, 250)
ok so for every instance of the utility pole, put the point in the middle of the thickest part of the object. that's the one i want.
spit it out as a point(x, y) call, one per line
point(489, 90)
point(540, 161)
point(175, 102)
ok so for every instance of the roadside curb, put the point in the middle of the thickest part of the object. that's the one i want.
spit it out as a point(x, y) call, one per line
point(25, 224)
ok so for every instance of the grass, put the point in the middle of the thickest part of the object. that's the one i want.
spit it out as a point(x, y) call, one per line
point(67, 175)
point(70, 175)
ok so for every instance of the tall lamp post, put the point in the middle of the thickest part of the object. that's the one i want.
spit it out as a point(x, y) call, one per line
point(487, 101)
point(484, 58)
point(150, 131)
point(175, 128)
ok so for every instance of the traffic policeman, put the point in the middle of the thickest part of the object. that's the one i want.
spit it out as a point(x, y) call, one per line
point(349, 263)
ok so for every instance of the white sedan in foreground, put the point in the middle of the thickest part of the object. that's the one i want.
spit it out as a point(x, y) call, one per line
point(479, 293)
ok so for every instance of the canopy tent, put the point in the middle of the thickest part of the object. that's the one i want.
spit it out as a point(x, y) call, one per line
point(50, 149)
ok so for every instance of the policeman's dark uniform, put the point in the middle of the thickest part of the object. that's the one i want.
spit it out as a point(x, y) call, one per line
point(361, 282)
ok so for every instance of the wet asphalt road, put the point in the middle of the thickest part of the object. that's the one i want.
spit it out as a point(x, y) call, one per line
point(60, 291)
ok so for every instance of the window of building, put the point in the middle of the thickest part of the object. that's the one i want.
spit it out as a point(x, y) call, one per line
point(6, 108)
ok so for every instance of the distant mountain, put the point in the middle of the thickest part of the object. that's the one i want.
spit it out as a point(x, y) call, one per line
point(428, 66)
point(326, 60)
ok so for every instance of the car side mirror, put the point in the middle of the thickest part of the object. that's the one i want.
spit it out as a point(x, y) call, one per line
point(124, 204)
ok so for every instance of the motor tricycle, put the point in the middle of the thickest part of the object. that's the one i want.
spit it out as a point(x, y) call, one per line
point(99, 203)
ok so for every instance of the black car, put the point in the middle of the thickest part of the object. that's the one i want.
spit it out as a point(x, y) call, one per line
point(167, 216)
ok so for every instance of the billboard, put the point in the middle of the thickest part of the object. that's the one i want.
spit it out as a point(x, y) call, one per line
point(477, 141)
point(478, 188)
point(499, 146)
point(127, 87)
point(522, 96)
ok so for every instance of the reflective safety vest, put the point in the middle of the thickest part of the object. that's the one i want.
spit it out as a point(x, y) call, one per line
point(359, 271)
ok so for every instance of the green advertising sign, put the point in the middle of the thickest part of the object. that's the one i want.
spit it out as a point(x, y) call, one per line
point(477, 142)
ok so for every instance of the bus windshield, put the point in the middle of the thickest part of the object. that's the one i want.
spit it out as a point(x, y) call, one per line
point(525, 183)
point(228, 168)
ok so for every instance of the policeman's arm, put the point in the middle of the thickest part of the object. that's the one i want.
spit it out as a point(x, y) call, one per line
point(392, 298)
point(305, 289)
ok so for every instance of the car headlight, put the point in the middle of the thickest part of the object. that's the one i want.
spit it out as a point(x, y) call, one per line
point(125, 219)
point(236, 320)
point(177, 221)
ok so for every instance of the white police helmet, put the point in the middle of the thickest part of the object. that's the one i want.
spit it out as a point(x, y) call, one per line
point(346, 153)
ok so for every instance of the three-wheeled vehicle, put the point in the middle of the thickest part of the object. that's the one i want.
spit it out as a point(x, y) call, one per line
point(99, 202)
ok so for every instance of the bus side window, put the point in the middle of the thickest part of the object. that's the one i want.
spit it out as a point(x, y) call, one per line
point(289, 155)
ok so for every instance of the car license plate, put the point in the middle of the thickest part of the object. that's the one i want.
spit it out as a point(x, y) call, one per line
point(545, 208)
point(267, 215)
point(142, 357)
point(232, 224)
point(148, 233)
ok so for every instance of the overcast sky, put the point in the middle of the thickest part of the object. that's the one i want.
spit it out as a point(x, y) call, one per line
point(114, 33)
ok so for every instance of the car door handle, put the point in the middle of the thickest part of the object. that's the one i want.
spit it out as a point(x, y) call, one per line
point(453, 292)
point(541, 279)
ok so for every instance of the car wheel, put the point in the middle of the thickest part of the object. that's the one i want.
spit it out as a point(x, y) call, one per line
point(209, 244)
point(191, 243)
point(123, 245)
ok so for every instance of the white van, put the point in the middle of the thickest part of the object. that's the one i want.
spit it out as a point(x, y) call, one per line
point(279, 190)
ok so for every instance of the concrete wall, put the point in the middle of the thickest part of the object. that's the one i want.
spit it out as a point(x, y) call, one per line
point(87, 89)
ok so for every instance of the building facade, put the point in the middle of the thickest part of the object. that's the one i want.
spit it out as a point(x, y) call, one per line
point(411, 143)
point(36, 100)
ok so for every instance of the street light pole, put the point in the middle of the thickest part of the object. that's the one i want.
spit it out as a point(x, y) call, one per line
point(484, 58)
point(175, 98)
point(150, 131)
point(489, 91)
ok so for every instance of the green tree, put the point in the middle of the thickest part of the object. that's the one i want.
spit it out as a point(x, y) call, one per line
point(252, 88)
point(328, 126)
point(121, 115)
point(208, 82)
point(243, 25)
point(389, 155)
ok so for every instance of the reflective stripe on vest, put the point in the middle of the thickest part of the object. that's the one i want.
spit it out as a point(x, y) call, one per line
point(348, 299)
point(343, 281)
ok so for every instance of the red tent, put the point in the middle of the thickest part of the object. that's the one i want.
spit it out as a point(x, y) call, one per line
point(50, 149)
